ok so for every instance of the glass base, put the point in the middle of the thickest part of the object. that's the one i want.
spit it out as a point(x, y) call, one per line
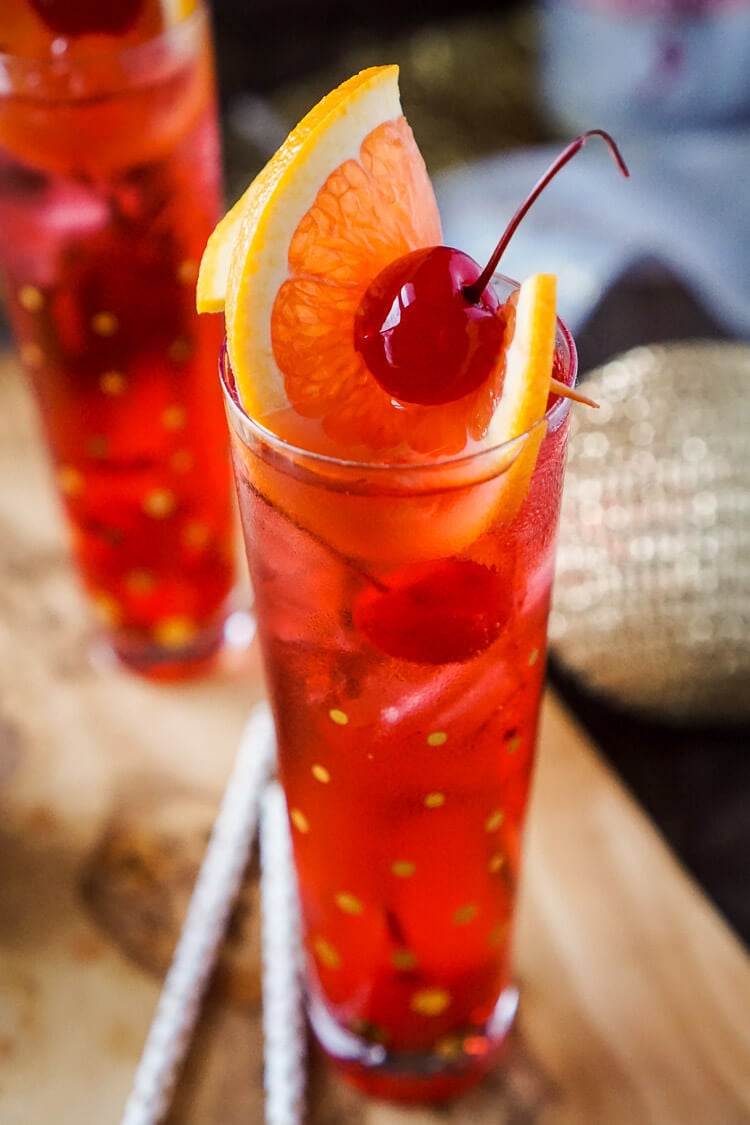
point(222, 642)
point(456, 1063)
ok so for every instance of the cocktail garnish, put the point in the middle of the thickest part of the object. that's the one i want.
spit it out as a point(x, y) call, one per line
point(430, 326)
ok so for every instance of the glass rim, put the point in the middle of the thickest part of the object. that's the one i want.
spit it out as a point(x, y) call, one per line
point(133, 53)
point(552, 418)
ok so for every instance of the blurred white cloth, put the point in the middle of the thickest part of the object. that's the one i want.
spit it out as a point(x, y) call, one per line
point(686, 204)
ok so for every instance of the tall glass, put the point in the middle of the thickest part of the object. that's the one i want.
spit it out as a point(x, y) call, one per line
point(402, 613)
point(109, 188)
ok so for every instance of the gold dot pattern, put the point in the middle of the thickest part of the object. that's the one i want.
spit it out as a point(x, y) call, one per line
point(321, 774)
point(70, 480)
point(430, 1001)
point(195, 535)
point(187, 272)
point(181, 461)
point(113, 383)
point(494, 820)
point(465, 914)
point(97, 446)
point(437, 738)
point(30, 298)
point(180, 350)
point(514, 744)
point(370, 1031)
point(174, 417)
point(339, 717)
point(106, 609)
point(403, 960)
point(299, 820)
point(350, 904)
point(159, 504)
point(32, 355)
point(403, 868)
point(140, 581)
point(496, 862)
point(533, 657)
point(449, 1046)
point(497, 934)
point(434, 800)
point(326, 953)
point(104, 324)
point(175, 632)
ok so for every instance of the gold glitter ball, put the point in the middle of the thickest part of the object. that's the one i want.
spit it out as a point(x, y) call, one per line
point(651, 604)
point(437, 738)
point(339, 717)
point(321, 774)
point(403, 868)
point(434, 800)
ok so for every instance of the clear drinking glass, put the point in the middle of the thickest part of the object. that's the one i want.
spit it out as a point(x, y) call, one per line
point(402, 615)
point(109, 187)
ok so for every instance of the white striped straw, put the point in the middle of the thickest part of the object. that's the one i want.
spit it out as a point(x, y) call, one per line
point(283, 1020)
point(211, 905)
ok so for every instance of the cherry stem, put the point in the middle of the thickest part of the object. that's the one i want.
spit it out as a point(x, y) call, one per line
point(473, 292)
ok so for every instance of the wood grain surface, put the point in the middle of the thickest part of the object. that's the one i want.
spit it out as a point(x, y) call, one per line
point(635, 995)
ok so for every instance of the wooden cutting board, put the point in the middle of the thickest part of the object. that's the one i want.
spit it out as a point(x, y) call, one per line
point(635, 995)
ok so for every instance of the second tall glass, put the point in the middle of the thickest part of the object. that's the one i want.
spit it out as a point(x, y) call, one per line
point(109, 186)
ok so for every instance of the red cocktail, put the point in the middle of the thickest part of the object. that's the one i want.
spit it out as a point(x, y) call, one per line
point(109, 187)
point(405, 682)
point(398, 421)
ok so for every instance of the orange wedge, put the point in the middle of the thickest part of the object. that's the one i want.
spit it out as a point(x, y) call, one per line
point(344, 196)
point(529, 357)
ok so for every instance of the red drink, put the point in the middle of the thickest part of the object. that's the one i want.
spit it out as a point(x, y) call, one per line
point(403, 631)
point(109, 187)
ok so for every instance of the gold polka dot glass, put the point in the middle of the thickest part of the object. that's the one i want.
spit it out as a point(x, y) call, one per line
point(402, 613)
point(109, 188)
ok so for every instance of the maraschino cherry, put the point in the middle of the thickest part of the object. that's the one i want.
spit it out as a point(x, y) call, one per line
point(430, 326)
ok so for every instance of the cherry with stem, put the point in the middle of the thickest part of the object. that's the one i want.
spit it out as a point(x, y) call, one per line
point(430, 327)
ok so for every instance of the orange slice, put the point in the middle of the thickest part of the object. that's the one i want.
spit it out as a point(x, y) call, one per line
point(344, 196)
point(529, 357)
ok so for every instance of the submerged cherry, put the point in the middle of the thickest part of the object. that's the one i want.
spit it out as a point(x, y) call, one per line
point(437, 612)
point(88, 17)
point(430, 327)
